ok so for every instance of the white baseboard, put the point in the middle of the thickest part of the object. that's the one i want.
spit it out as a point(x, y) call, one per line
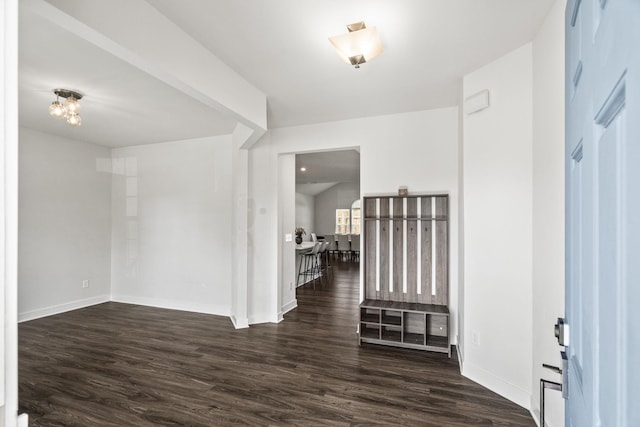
point(460, 359)
point(535, 411)
point(239, 323)
point(289, 306)
point(264, 318)
point(171, 304)
point(62, 308)
point(536, 417)
point(23, 420)
point(498, 385)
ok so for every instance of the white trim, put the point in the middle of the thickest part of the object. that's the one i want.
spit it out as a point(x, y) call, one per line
point(535, 414)
point(9, 213)
point(404, 245)
point(23, 420)
point(265, 318)
point(62, 308)
point(239, 324)
point(377, 245)
point(289, 306)
point(496, 384)
point(419, 245)
point(172, 305)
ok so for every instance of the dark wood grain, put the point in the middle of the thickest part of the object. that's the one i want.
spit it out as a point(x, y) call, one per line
point(426, 295)
point(442, 263)
point(369, 258)
point(411, 294)
point(127, 365)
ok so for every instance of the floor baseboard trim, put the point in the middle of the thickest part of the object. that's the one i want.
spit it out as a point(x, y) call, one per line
point(535, 413)
point(239, 324)
point(62, 308)
point(498, 385)
point(263, 318)
point(289, 306)
point(169, 304)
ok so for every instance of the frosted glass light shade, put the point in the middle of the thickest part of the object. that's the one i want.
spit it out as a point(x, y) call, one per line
point(74, 119)
point(72, 105)
point(358, 46)
point(56, 109)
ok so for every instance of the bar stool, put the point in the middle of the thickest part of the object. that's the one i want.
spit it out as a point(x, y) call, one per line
point(323, 255)
point(311, 265)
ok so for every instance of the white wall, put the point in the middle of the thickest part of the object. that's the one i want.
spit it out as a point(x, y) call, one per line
point(418, 149)
point(171, 210)
point(497, 173)
point(305, 214)
point(340, 196)
point(9, 215)
point(548, 207)
point(286, 270)
point(64, 224)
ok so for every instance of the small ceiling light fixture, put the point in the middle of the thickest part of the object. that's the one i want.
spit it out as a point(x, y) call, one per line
point(303, 169)
point(359, 45)
point(70, 110)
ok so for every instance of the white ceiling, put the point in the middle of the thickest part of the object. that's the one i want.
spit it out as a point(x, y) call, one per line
point(280, 47)
point(122, 105)
point(328, 166)
point(325, 169)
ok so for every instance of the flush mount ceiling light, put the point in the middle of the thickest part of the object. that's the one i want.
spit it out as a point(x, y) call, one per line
point(359, 45)
point(70, 110)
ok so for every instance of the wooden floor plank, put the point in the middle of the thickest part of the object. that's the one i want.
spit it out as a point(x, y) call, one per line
point(126, 365)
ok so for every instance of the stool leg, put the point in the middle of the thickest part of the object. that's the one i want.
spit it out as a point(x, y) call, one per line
point(302, 257)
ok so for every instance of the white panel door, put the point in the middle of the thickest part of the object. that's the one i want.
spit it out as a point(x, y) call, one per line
point(603, 212)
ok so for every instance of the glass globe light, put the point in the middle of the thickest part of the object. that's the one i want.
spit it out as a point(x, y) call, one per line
point(56, 109)
point(72, 105)
point(74, 119)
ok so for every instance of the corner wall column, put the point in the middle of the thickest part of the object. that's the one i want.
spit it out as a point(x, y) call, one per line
point(240, 184)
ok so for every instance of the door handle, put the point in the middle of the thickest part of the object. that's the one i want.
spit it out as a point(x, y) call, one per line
point(561, 332)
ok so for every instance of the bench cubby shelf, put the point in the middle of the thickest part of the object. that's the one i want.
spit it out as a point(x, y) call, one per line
point(404, 324)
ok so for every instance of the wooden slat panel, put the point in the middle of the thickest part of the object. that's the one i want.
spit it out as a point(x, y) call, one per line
point(379, 259)
point(412, 252)
point(398, 258)
point(397, 207)
point(426, 207)
point(425, 285)
point(384, 207)
point(442, 265)
point(370, 251)
point(370, 207)
point(383, 248)
point(442, 206)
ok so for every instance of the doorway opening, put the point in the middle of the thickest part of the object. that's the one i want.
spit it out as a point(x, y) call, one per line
point(327, 207)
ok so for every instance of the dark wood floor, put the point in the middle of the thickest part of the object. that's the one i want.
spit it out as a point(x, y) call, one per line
point(126, 365)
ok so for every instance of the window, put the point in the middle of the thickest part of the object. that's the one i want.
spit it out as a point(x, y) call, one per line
point(355, 217)
point(343, 222)
point(348, 220)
